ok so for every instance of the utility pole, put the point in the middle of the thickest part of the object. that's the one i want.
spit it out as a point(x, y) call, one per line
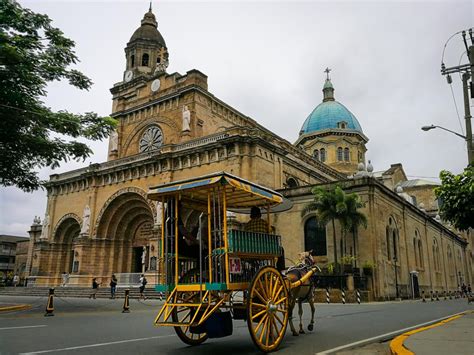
point(467, 71)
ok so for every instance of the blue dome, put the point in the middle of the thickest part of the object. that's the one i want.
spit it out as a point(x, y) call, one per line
point(327, 115)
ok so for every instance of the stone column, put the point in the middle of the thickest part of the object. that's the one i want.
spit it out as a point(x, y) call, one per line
point(34, 232)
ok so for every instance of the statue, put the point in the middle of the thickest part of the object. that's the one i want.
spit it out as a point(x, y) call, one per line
point(45, 229)
point(159, 211)
point(144, 255)
point(36, 221)
point(186, 119)
point(86, 220)
point(114, 141)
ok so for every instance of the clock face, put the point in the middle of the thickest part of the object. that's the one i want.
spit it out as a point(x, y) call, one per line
point(128, 75)
point(155, 85)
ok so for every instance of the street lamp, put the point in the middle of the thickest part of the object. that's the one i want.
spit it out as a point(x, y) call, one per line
point(427, 128)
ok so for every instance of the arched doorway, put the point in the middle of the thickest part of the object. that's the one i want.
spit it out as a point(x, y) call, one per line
point(315, 237)
point(66, 231)
point(124, 230)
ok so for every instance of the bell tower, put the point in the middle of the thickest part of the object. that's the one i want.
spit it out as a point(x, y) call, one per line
point(146, 53)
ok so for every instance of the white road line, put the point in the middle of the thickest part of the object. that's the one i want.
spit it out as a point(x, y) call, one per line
point(383, 336)
point(96, 345)
point(26, 326)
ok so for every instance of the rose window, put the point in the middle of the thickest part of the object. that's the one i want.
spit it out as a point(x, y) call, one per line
point(152, 139)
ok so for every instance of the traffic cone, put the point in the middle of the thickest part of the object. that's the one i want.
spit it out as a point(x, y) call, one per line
point(126, 302)
point(50, 304)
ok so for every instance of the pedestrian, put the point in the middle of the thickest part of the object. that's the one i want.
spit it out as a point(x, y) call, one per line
point(16, 280)
point(113, 286)
point(65, 278)
point(469, 289)
point(463, 290)
point(143, 283)
point(95, 288)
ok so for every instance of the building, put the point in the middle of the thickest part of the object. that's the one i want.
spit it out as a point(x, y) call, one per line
point(99, 221)
point(10, 251)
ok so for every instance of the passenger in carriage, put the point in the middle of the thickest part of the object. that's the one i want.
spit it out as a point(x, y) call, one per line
point(256, 223)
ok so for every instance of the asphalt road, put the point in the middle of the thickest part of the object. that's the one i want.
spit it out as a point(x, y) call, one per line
point(99, 327)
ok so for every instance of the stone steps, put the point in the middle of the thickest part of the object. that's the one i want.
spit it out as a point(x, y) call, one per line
point(82, 292)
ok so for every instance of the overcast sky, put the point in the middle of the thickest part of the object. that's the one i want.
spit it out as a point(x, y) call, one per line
point(266, 59)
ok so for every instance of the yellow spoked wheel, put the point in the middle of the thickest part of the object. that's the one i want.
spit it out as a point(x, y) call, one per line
point(184, 314)
point(267, 309)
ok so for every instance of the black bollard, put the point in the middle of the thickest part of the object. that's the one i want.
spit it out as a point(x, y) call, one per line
point(50, 304)
point(437, 298)
point(126, 302)
point(431, 295)
point(423, 296)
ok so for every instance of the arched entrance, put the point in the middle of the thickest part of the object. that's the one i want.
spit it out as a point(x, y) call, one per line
point(66, 231)
point(123, 234)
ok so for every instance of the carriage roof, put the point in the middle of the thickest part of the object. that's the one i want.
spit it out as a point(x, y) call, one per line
point(240, 193)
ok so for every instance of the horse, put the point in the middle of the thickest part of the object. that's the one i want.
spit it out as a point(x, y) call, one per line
point(303, 293)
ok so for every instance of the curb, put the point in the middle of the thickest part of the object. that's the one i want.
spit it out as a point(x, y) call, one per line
point(396, 345)
point(17, 307)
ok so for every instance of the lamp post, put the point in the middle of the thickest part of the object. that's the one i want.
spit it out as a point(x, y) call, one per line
point(396, 276)
point(470, 154)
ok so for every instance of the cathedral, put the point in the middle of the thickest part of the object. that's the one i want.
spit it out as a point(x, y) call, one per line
point(99, 221)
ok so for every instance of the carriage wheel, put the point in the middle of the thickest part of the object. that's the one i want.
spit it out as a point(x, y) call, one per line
point(267, 309)
point(183, 314)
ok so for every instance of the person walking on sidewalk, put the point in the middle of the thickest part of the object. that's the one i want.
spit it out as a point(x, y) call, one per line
point(143, 283)
point(95, 288)
point(113, 286)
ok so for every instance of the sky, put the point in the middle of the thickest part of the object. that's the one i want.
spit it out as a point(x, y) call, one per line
point(267, 59)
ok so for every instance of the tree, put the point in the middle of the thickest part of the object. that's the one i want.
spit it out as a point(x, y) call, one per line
point(353, 218)
point(32, 136)
point(456, 196)
point(329, 206)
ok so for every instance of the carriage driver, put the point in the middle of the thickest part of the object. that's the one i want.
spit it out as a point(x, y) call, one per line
point(256, 223)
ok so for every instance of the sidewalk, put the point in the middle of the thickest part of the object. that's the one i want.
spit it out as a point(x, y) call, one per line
point(452, 337)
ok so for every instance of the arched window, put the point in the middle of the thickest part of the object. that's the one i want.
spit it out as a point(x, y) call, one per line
point(322, 155)
point(415, 250)
point(395, 244)
point(346, 154)
point(387, 239)
point(158, 60)
point(145, 58)
point(291, 182)
point(420, 253)
point(339, 154)
point(316, 154)
point(132, 61)
point(359, 157)
point(314, 237)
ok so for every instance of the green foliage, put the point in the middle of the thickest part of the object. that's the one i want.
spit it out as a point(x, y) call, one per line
point(32, 136)
point(456, 195)
point(368, 264)
point(330, 268)
point(348, 259)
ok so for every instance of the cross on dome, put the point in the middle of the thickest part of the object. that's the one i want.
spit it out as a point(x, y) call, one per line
point(327, 70)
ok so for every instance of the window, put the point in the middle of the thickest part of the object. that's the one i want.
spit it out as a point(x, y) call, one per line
point(314, 237)
point(339, 154)
point(151, 139)
point(346, 154)
point(342, 125)
point(387, 239)
point(420, 252)
point(132, 61)
point(145, 58)
point(158, 60)
point(322, 155)
point(395, 245)
point(415, 250)
point(291, 182)
point(359, 157)
point(316, 154)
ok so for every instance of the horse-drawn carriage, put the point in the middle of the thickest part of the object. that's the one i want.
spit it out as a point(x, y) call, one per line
point(220, 273)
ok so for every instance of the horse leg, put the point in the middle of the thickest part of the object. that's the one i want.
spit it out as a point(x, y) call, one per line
point(311, 304)
point(291, 306)
point(300, 313)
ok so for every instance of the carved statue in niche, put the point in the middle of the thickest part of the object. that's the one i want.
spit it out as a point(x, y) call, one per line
point(114, 141)
point(186, 119)
point(45, 228)
point(86, 222)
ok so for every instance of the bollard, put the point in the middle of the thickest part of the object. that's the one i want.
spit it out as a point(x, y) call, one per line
point(423, 296)
point(445, 297)
point(358, 296)
point(343, 295)
point(449, 294)
point(437, 298)
point(327, 296)
point(50, 305)
point(126, 302)
point(431, 296)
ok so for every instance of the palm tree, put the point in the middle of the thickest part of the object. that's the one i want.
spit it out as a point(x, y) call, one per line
point(353, 218)
point(329, 206)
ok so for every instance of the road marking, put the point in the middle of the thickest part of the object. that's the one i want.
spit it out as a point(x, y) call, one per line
point(384, 336)
point(96, 345)
point(26, 326)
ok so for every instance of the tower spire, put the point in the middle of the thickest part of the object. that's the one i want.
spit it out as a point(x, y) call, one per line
point(328, 89)
point(149, 10)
